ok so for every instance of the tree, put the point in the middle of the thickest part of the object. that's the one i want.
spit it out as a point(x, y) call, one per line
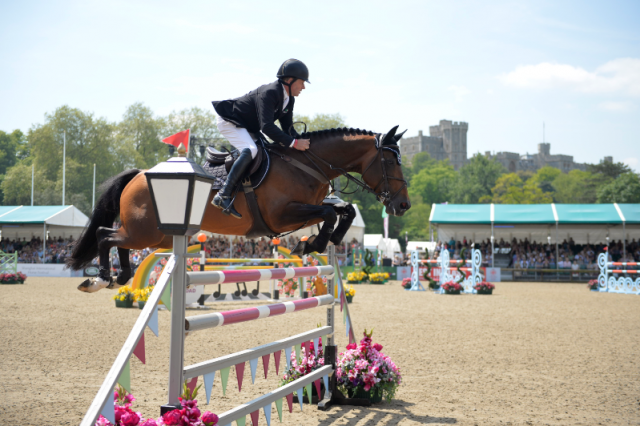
point(510, 189)
point(624, 189)
point(544, 178)
point(433, 183)
point(11, 145)
point(577, 187)
point(138, 140)
point(202, 125)
point(476, 179)
point(16, 187)
point(609, 169)
point(416, 221)
point(319, 122)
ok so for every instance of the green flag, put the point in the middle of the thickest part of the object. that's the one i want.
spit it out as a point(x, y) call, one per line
point(384, 212)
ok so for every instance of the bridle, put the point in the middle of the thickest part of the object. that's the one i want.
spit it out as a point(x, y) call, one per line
point(383, 196)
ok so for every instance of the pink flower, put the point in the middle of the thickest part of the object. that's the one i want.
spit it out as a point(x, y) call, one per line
point(209, 419)
point(130, 419)
point(149, 422)
point(351, 346)
point(172, 418)
point(377, 347)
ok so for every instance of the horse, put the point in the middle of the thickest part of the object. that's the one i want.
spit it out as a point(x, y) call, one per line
point(289, 198)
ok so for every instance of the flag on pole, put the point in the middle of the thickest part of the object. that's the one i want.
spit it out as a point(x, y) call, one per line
point(385, 218)
point(179, 138)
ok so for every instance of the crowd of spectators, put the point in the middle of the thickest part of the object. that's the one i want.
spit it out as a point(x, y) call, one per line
point(30, 251)
point(525, 254)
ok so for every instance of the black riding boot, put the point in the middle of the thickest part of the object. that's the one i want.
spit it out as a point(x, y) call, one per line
point(223, 199)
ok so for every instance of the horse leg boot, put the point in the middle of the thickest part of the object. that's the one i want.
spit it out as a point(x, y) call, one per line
point(104, 275)
point(124, 275)
point(223, 199)
point(347, 214)
point(317, 243)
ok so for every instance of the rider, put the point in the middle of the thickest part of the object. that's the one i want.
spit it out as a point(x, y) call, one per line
point(241, 118)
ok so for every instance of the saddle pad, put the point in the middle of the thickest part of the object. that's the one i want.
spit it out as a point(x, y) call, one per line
point(219, 172)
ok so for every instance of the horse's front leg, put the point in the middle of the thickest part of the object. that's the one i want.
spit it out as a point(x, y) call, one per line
point(347, 214)
point(297, 212)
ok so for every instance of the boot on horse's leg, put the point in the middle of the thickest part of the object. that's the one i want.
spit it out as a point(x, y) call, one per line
point(223, 199)
point(318, 243)
point(347, 214)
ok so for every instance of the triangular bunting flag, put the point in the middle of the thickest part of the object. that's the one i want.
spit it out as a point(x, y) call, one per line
point(166, 296)
point(287, 355)
point(240, 374)
point(306, 349)
point(309, 394)
point(300, 397)
point(265, 364)
point(318, 389)
point(242, 421)
point(290, 402)
point(267, 413)
point(208, 384)
point(224, 377)
point(192, 383)
point(347, 328)
point(139, 350)
point(253, 365)
point(153, 321)
point(298, 351)
point(125, 377)
point(109, 411)
point(179, 138)
point(254, 417)
point(316, 345)
point(279, 408)
point(276, 358)
point(325, 379)
point(344, 316)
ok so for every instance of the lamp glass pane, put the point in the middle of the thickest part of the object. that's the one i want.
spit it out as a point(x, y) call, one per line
point(171, 199)
point(199, 203)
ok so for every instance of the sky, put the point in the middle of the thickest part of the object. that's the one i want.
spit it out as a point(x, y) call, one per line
point(503, 67)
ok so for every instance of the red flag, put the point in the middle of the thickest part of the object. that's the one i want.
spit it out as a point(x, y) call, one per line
point(179, 138)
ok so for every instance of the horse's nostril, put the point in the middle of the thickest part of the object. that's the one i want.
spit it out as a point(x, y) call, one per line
point(405, 206)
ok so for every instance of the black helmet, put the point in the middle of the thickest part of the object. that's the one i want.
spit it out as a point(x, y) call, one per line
point(293, 68)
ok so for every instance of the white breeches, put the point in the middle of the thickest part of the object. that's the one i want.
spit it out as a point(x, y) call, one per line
point(237, 136)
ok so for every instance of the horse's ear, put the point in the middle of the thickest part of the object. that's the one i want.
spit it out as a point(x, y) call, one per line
point(399, 136)
point(388, 138)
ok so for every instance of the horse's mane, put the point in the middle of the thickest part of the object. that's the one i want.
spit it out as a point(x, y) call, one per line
point(341, 131)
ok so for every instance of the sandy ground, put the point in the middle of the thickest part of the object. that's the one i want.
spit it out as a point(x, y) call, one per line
point(530, 354)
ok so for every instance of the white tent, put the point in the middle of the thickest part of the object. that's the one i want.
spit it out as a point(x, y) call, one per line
point(35, 221)
point(373, 242)
point(421, 245)
point(391, 247)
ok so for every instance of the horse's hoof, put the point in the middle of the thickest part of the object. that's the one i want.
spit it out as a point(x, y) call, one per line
point(93, 284)
point(310, 247)
point(299, 249)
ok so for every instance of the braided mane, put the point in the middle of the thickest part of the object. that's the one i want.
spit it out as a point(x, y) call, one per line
point(343, 131)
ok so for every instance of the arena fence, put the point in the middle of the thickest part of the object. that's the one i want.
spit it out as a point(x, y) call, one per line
point(615, 276)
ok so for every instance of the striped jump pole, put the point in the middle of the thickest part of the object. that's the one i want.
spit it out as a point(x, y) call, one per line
point(612, 284)
point(223, 277)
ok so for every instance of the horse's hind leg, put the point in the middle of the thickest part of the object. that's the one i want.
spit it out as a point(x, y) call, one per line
point(124, 275)
point(105, 242)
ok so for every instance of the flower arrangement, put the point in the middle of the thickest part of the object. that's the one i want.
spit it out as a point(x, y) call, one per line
point(593, 285)
point(363, 370)
point(356, 277)
point(451, 287)
point(142, 294)
point(350, 291)
point(189, 415)
point(484, 287)
point(305, 365)
point(18, 278)
point(377, 278)
point(125, 294)
point(406, 283)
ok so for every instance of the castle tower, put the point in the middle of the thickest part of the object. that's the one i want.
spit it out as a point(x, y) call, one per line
point(454, 138)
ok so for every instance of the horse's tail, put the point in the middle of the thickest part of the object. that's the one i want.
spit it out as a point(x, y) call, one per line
point(105, 212)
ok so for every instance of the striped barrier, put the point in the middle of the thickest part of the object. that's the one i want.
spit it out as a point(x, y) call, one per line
point(609, 283)
point(446, 271)
point(176, 277)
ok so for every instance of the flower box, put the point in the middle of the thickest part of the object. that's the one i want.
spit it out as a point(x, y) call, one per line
point(141, 304)
point(451, 287)
point(349, 299)
point(484, 288)
point(314, 395)
point(373, 395)
point(128, 303)
point(490, 291)
point(18, 278)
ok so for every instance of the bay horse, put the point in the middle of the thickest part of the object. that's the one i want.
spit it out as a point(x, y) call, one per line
point(289, 199)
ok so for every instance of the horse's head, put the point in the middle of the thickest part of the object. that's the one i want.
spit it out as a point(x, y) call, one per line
point(383, 173)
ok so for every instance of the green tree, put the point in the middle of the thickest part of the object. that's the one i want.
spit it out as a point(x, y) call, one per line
point(202, 125)
point(609, 169)
point(16, 187)
point(138, 139)
point(577, 187)
point(624, 189)
point(11, 146)
point(510, 189)
point(476, 179)
point(319, 122)
point(416, 221)
point(433, 183)
point(544, 178)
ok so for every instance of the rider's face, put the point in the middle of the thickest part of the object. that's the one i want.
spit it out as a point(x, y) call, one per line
point(297, 87)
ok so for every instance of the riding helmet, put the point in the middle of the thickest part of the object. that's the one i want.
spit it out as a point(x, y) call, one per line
point(293, 68)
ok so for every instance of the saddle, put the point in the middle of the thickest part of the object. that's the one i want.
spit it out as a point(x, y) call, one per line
point(219, 163)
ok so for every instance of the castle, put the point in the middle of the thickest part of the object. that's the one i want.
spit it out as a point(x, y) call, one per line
point(448, 140)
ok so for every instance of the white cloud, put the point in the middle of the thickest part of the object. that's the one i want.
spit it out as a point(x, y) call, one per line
point(616, 106)
point(620, 76)
point(459, 92)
